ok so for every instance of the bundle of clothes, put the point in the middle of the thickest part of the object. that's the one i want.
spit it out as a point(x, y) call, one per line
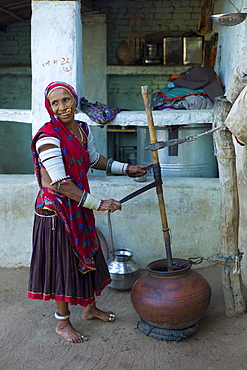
point(236, 93)
point(99, 112)
point(195, 88)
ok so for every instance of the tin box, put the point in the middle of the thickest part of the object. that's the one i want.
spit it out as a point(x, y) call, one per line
point(172, 50)
point(192, 50)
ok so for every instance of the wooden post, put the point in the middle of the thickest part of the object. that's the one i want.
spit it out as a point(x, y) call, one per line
point(159, 189)
point(229, 219)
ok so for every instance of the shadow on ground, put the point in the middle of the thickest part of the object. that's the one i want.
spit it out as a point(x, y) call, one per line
point(28, 340)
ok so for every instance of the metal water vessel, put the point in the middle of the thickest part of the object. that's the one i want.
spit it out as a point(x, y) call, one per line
point(123, 270)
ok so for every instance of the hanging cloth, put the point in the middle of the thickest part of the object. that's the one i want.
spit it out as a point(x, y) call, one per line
point(205, 23)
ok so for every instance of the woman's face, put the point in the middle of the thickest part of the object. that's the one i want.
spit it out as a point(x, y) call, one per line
point(63, 105)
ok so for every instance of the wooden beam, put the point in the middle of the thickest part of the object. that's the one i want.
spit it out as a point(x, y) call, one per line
point(11, 14)
point(229, 220)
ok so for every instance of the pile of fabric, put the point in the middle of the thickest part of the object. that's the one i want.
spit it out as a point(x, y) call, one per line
point(194, 89)
point(236, 93)
point(99, 112)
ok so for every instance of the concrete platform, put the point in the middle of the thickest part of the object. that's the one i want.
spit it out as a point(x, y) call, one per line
point(127, 118)
point(192, 206)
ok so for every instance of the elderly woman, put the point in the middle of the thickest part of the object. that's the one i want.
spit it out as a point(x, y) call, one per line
point(67, 263)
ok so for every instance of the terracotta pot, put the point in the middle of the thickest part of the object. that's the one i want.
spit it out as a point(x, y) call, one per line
point(174, 299)
point(125, 54)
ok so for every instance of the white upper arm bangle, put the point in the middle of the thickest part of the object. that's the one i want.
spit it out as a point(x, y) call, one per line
point(52, 159)
point(47, 140)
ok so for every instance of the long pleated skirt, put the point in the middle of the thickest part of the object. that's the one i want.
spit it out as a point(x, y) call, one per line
point(54, 266)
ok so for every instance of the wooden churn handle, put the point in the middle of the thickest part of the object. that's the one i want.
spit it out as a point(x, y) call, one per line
point(159, 189)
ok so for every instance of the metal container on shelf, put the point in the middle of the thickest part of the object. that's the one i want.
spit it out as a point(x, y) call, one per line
point(152, 55)
point(172, 50)
point(189, 159)
point(182, 50)
point(192, 50)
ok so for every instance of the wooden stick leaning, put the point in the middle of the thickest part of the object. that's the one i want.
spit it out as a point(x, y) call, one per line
point(229, 219)
point(159, 189)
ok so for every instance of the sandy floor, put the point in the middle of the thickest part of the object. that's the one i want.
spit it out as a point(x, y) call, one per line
point(28, 340)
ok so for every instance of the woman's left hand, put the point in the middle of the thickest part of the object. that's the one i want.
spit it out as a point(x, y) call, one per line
point(136, 170)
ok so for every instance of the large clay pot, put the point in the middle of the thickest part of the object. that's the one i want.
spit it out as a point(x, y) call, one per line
point(126, 55)
point(174, 299)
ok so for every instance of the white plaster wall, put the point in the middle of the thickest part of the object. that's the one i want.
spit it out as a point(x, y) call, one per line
point(232, 40)
point(56, 45)
point(192, 204)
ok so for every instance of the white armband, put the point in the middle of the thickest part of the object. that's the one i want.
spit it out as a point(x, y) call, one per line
point(89, 201)
point(52, 160)
point(93, 155)
point(47, 140)
point(116, 168)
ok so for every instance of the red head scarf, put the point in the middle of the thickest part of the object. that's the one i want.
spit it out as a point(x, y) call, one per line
point(58, 85)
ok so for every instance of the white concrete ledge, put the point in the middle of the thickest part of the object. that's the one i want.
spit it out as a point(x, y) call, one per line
point(192, 205)
point(161, 118)
point(16, 115)
point(127, 118)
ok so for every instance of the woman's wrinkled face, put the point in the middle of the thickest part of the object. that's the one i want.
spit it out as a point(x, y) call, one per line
point(62, 104)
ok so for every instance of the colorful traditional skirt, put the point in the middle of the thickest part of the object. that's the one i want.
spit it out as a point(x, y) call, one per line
point(53, 270)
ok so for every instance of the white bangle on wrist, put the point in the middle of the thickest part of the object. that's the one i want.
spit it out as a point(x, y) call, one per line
point(116, 168)
point(89, 201)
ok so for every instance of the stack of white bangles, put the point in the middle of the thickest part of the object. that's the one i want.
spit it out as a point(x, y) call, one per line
point(52, 160)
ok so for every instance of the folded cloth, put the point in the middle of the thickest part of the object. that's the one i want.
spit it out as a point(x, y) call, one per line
point(236, 120)
point(238, 80)
point(165, 95)
point(198, 77)
point(196, 102)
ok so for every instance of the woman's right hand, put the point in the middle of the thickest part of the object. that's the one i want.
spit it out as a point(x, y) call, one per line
point(111, 205)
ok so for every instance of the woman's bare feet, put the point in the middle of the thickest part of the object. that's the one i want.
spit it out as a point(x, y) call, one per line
point(92, 312)
point(66, 330)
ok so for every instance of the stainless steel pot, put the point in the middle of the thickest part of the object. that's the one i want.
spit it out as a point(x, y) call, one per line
point(123, 270)
point(229, 19)
point(190, 159)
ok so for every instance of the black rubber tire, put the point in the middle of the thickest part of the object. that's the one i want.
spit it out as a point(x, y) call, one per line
point(166, 334)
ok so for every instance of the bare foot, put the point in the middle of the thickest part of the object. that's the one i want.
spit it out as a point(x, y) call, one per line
point(92, 312)
point(66, 330)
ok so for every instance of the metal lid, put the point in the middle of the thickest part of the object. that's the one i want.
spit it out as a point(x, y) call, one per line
point(229, 19)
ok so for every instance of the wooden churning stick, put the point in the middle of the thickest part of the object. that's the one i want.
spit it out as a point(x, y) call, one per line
point(157, 174)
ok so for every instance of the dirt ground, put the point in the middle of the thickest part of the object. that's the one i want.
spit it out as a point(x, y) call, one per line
point(28, 340)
